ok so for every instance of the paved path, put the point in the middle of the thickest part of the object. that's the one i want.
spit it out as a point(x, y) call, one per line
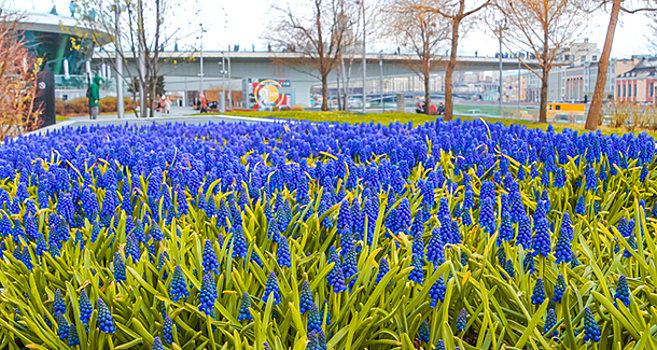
point(176, 116)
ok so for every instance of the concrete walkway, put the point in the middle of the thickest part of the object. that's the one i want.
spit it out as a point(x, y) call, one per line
point(177, 115)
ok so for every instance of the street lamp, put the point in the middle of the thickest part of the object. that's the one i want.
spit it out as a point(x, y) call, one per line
point(200, 87)
point(383, 105)
point(501, 26)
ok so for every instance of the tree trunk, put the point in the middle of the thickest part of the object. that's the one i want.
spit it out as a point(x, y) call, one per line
point(450, 70)
point(427, 93)
point(593, 119)
point(542, 115)
point(325, 92)
point(337, 71)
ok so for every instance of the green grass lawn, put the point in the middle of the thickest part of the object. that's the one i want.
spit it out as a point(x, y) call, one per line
point(387, 118)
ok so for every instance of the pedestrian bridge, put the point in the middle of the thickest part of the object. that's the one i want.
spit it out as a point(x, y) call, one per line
point(181, 69)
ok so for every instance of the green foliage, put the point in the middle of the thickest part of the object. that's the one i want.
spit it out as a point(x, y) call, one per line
point(384, 315)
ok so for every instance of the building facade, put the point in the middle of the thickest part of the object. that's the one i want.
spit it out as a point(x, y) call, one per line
point(638, 83)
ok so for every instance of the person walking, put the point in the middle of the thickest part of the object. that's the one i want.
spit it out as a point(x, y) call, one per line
point(167, 104)
point(94, 97)
point(204, 104)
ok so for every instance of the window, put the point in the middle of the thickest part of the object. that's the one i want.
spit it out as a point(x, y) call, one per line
point(652, 89)
point(583, 58)
point(634, 90)
point(594, 58)
point(624, 86)
point(618, 91)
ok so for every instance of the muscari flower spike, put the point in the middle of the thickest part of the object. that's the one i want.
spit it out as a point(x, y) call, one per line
point(384, 267)
point(306, 298)
point(313, 343)
point(157, 344)
point(321, 340)
point(239, 244)
point(73, 337)
point(245, 305)
point(417, 274)
point(62, 326)
point(119, 268)
point(559, 289)
point(424, 333)
point(461, 321)
point(85, 307)
point(210, 262)
point(167, 329)
point(178, 287)
point(550, 322)
point(541, 240)
point(271, 288)
point(283, 253)
point(314, 319)
point(591, 329)
point(580, 208)
point(622, 291)
point(510, 269)
point(440, 345)
point(208, 295)
point(58, 306)
point(538, 296)
point(104, 319)
point(437, 292)
point(336, 276)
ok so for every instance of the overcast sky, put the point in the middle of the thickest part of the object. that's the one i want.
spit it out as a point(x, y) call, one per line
point(245, 21)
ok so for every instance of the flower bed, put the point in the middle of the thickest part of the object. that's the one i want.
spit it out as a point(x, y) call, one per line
point(327, 236)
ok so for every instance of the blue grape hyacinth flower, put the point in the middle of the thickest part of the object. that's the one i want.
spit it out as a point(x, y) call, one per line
point(335, 276)
point(417, 274)
point(538, 296)
point(118, 268)
point(622, 292)
point(104, 319)
point(208, 295)
point(437, 292)
point(245, 305)
point(283, 253)
point(58, 306)
point(591, 329)
point(306, 298)
point(424, 334)
point(510, 269)
point(314, 319)
point(167, 329)
point(85, 307)
point(550, 322)
point(73, 337)
point(559, 289)
point(157, 344)
point(178, 287)
point(271, 288)
point(541, 240)
point(210, 262)
point(62, 326)
point(384, 267)
point(461, 321)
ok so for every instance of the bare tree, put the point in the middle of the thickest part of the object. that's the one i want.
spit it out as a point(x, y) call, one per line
point(455, 11)
point(18, 76)
point(617, 6)
point(544, 28)
point(145, 28)
point(409, 24)
point(317, 34)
